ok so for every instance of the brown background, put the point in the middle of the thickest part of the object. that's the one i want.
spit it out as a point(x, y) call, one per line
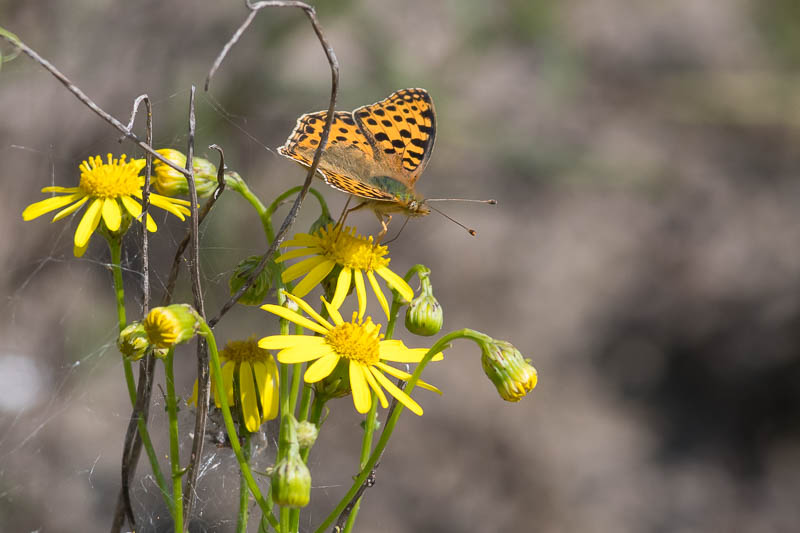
point(645, 254)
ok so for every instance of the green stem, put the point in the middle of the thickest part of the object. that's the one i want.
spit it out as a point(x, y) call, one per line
point(174, 445)
point(438, 347)
point(216, 373)
point(305, 403)
point(244, 495)
point(115, 247)
point(397, 302)
point(239, 185)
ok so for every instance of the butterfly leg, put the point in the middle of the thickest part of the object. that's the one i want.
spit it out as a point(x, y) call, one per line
point(385, 219)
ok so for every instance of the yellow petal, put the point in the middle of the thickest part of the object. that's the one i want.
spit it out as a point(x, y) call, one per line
point(399, 374)
point(342, 287)
point(295, 317)
point(313, 278)
point(394, 350)
point(361, 292)
point(227, 380)
point(303, 354)
point(333, 312)
point(267, 382)
point(302, 268)
point(48, 204)
point(396, 282)
point(377, 389)
point(321, 368)
point(378, 292)
point(78, 251)
point(71, 209)
point(358, 384)
point(169, 204)
point(88, 223)
point(111, 214)
point(401, 396)
point(69, 190)
point(300, 252)
point(302, 304)
point(279, 342)
point(247, 391)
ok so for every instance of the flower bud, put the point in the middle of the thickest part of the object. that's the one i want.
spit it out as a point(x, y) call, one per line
point(256, 293)
point(512, 375)
point(171, 325)
point(336, 384)
point(424, 315)
point(306, 434)
point(291, 481)
point(170, 182)
point(133, 342)
point(322, 222)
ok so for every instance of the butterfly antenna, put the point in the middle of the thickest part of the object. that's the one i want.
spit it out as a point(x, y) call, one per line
point(399, 232)
point(490, 202)
point(451, 219)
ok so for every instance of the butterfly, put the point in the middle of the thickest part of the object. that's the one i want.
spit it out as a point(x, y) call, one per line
point(377, 152)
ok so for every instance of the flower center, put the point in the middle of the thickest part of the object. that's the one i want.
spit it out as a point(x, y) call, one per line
point(244, 352)
point(110, 180)
point(359, 342)
point(351, 250)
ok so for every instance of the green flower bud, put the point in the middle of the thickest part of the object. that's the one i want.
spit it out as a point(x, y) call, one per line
point(133, 342)
point(306, 434)
point(291, 481)
point(169, 182)
point(512, 375)
point(336, 384)
point(171, 325)
point(259, 289)
point(424, 315)
point(322, 222)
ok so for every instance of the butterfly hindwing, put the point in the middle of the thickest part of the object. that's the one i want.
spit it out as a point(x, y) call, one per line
point(347, 158)
point(402, 128)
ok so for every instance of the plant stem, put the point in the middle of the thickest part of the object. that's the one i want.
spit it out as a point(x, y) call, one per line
point(115, 248)
point(244, 495)
point(174, 445)
point(391, 422)
point(206, 332)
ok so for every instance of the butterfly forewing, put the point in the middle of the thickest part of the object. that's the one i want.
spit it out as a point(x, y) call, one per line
point(346, 157)
point(403, 128)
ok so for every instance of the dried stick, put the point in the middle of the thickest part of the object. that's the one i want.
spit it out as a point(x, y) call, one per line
point(203, 374)
point(290, 218)
point(80, 95)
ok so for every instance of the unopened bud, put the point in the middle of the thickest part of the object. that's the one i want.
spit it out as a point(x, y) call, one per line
point(306, 434)
point(256, 293)
point(133, 341)
point(170, 182)
point(424, 315)
point(171, 325)
point(291, 481)
point(512, 375)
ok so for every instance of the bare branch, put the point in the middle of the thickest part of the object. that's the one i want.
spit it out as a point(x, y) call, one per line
point(80, 95)
point(290, 218)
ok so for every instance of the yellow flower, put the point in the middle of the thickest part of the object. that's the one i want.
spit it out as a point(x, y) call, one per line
point(357, 255)
point(107, 188)
point(258, 382)
point(357, 343)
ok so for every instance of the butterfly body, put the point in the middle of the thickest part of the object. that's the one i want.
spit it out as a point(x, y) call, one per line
point(375, 153)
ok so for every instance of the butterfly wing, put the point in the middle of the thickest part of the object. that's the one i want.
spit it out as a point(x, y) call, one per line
point(348, 158)
point(401, 129)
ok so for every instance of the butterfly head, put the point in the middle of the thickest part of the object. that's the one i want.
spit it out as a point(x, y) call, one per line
point(417, 208)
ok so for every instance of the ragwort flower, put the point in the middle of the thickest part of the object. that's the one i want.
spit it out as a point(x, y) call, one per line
point(258, 382)
point(107, 188)
point(357, 343)
point(357, 255)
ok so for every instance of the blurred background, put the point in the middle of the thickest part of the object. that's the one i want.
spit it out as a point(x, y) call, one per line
point(645, 253)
